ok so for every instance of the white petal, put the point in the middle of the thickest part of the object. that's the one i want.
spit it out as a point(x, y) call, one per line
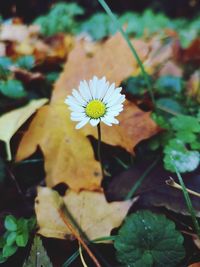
point(106, 121)
point(102, 88)
point(93, 87)
point(85, 91)
point(116, 100)
point(112, 113)
point(111, 119)
point(77, 114)
point(71, 100)
point(94, 122)
point(109, 92)
point(118, 107)
point(113, 96)
point(76, 108)
point(82, 123)
point(78, 97)
point(78, 117)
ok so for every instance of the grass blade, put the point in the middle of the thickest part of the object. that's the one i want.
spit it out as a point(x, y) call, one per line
point(134, 52)
point(188, 202)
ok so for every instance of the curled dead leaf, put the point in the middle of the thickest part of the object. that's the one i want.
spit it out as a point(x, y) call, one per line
point(10, 122)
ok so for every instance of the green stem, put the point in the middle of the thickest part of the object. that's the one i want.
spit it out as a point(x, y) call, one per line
point(99, 148)
point(188, 202)
point(134, 52)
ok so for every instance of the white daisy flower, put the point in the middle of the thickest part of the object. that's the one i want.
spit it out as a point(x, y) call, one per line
point(95, 101)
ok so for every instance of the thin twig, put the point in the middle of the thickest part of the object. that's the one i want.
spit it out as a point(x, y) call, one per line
point(173, 184)
point(82, 242)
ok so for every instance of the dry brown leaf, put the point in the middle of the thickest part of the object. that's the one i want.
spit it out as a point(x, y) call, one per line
point(90, 210)
point(193, 85)
point(112, 59)
point(197, 264)
point(17, 33)
point(10, 122)
point(69, 157)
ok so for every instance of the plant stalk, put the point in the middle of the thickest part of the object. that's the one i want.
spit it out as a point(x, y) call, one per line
point(99, 148)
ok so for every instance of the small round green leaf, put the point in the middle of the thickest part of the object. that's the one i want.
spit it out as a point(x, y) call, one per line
point(177, 154)
point(10, 223)
point(148, 239)
point(11, 238)
point(9, 250)
point(12, 89)
point(22, 239)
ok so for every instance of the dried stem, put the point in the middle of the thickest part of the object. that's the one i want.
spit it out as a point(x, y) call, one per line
point(78, 237)
point(173, 184)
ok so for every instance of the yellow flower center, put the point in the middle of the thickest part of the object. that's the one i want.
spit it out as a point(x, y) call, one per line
point(95, 109)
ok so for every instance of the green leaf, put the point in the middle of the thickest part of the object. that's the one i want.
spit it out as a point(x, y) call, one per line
point(183, 122)
point(169, 104)
point(2, 241)
point(9, 250)
point(184, 159)
point(38, 256)
point(12, 89)
point(104, 24)
point(5, 64)
point(148, 239)
point(10, 223)
point(2, 258)
point(26, 62)
point(136, 85)
point(22, 239)
point(61, 18)
point(10, 240)
point(168, 84)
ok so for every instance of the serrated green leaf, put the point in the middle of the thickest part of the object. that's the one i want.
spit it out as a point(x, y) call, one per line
point(12, 89)
point(38, 256)
point(148, 239)
point(10, 223)
point(184, 159)
point(26, 62)
point(9, 250)
point(61, 18)
point(105, 26)
point(182, 122)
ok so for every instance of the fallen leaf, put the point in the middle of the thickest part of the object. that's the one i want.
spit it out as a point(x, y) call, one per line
point(197, 264)
point(154, 191)
point(193, 85)
point(13, 120)
point(112, 59)
point(16, 33)
point(55, 133)
point(90, 210)
point(53, 130)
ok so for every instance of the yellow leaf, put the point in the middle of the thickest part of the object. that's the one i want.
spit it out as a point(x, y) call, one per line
point(90, 210)
point(69, 156)
point(13, 120)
